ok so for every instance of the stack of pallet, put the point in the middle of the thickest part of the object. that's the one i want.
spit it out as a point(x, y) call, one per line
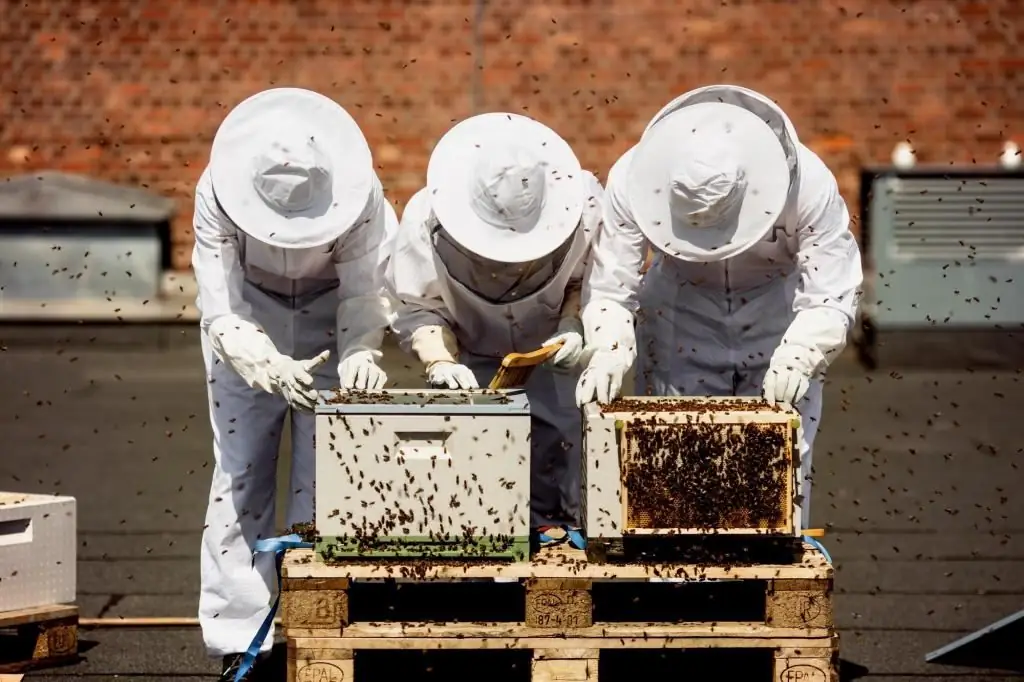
point(751, 585)
point(38, 621)
point(563, 609)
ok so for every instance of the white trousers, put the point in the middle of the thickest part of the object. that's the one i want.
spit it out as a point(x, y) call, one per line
point(236, 592)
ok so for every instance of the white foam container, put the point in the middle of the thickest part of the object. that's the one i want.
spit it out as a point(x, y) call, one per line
point(38, 550)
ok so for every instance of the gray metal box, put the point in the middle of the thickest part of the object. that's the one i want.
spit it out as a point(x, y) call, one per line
point(67, 239)
point(416, 473)
point(947, 250)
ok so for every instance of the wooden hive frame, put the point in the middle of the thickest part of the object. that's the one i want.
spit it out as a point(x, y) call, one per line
point(609, 449)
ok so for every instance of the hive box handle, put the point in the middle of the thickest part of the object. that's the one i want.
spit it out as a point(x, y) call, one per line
point(15, 532)
point(423, 444)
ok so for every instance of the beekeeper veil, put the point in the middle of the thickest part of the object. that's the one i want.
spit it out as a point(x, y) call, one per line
point(713, 173)
point(507, 194)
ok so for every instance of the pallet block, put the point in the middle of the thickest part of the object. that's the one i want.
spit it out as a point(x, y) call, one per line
point(808, 663)
point(38, 638)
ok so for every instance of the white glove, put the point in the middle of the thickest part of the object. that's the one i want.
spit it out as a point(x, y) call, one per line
point(789, 373)
point(602, 379)
point(360, 371)
point(571, 336)
point(451, 375)
point(252, 355)
point(611, 349)
point(293, 379)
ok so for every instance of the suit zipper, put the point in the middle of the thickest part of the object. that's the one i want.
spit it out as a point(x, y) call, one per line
point(736, 377)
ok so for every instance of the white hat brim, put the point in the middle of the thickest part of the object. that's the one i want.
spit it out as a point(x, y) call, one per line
point(450, 175)
point(239, 138)
point(759, 153)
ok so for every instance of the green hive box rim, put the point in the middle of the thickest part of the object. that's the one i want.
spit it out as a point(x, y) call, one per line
point(422, 547)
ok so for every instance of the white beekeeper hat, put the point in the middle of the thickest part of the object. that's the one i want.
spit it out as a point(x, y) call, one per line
point(506, 187)
point(712, 173)
point(291, 168)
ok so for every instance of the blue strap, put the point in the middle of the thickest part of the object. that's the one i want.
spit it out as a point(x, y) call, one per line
point(820, 547)
point(573, 535)
point(544, 537)
point(576, 539)
point(278, 547)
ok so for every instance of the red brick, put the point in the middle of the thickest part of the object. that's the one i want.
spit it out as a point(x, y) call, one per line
point(133, 90)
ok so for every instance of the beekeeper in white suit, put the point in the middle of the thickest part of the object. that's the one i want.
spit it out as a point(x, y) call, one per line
point(488, 261)
point(755, 275)
point(290, 218)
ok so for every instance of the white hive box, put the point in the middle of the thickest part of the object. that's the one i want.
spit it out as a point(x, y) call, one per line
point(37, 550)
point(423, 473)
point(689, 466)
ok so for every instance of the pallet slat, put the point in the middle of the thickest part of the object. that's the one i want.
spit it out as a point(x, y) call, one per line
point(516, 636)
point(558, 562)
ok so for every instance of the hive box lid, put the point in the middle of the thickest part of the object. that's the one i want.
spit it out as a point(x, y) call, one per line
point(8, 499)
point(424, 401)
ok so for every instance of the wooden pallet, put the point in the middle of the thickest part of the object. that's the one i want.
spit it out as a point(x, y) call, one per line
point(559, 607)
point(569, 660)
point(38, 638)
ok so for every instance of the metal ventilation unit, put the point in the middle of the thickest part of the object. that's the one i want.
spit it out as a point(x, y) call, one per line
point(945, 251)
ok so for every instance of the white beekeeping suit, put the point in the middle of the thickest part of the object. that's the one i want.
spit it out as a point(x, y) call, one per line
point(755, 277)
point(290, 219)
point(488, 261)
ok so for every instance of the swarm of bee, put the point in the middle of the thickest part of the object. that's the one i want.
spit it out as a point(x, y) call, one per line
point(706, 476)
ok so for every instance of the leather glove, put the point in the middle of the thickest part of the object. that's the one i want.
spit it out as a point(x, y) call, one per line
point(451, 375)
point(602, 379)
point(571, 335)
point(293, 379)
point(360, 371)
point(789, 374)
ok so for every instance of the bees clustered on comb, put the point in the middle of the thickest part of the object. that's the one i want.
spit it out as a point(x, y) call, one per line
point(706, 476)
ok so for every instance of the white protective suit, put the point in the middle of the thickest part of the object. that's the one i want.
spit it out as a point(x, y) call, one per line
point(713, 328)
point(307, 301)
point(435, 284)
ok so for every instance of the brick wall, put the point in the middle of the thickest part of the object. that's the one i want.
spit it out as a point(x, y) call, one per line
point(133, 90)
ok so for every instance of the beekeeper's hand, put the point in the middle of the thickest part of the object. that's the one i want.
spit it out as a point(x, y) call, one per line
point(570, 335)
point(293, 379)
point(602, 379)
point(789, 374)
point(451, 375)
point(361, 371)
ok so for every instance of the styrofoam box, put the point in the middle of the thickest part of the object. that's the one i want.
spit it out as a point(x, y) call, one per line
point(435, 463)
point(37, 550)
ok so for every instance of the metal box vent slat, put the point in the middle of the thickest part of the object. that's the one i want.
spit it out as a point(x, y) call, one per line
point(950, 218)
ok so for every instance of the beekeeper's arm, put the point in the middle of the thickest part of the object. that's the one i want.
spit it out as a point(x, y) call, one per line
point(609, 295)
point(422, 322)
point(570, 326)
point(364, 309)
point(227, 318)
point(831, 275)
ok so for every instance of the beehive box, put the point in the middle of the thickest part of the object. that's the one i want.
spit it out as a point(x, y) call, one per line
point(423, 473)
point(37, 550)
point(677, 466)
